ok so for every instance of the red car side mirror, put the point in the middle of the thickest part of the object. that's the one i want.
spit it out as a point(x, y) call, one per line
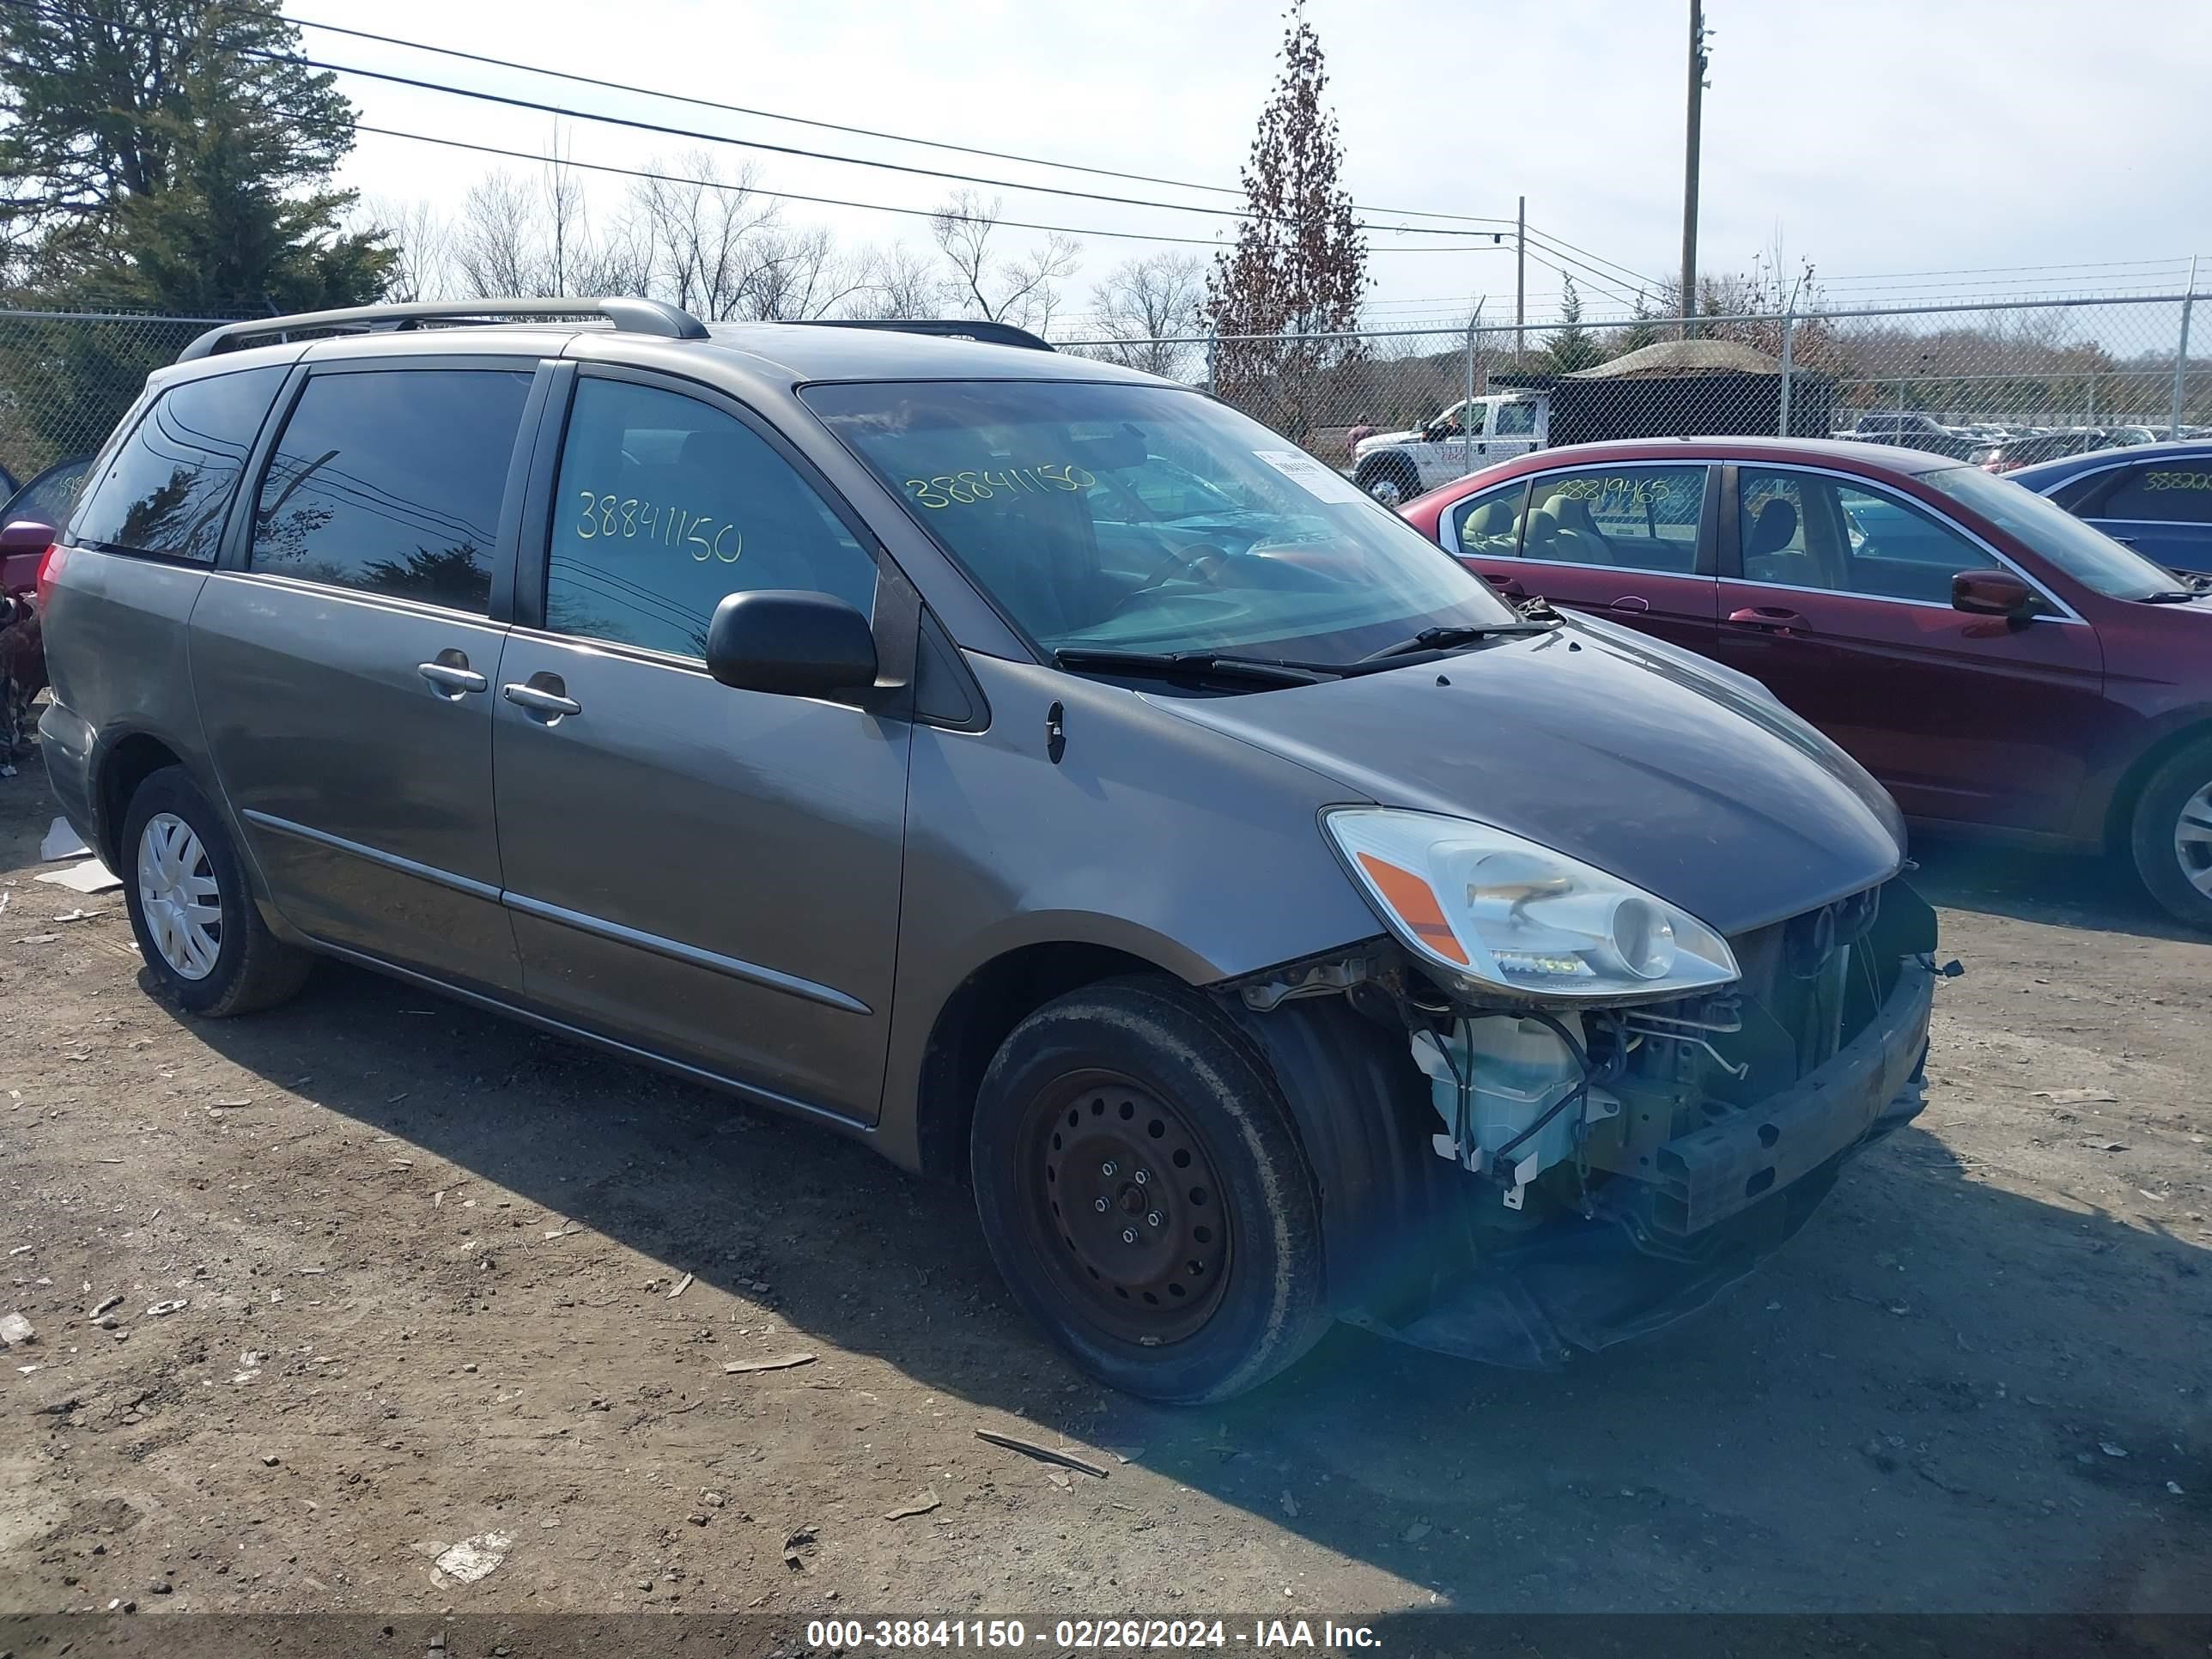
point(1993, 593)
point(26, 535)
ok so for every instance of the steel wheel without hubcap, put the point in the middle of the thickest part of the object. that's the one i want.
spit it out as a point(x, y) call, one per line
point(1124, 1208)
point(1388, 491)
point(177, 891)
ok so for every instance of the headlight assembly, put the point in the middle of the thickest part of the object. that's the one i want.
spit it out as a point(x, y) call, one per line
point(1492, 913)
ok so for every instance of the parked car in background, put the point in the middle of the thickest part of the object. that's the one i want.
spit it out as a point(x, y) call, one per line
point(47, 500)
point(1908, 430)
point(1394, 467)
point(1034, 768)
point(2156, 498)
point(2012, 453)
point(1996, 663)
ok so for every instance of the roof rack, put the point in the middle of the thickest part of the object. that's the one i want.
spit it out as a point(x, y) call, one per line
point(955, 328)
point(631, 316)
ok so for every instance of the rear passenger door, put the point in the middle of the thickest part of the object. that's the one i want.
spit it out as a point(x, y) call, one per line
point(1836, 594)
point(710, 873)
point(2162, 509)
point(1633, 543)
point(343, 658)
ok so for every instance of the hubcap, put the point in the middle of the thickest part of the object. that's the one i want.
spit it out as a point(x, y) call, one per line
point(178, 893)
point(2192, 840)
point(1388, 491)
point(1125, 1207)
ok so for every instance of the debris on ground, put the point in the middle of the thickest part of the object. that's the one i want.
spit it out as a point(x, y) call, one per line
point(2077, 1097)
point(89, 878)
point(923, 1503)
point(16, 1331)
point(160, 1309)
point(2110, 1450)
point(61, 843)
point(783, 1362)
point(682, 1285)
point(473, 1558)
point(1043, 1454)
point(795, 1542)
point(114, 1301)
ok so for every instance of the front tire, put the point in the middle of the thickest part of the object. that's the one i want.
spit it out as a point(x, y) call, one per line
point(1393, 485)
point(191, 909)
point(1143, 1195)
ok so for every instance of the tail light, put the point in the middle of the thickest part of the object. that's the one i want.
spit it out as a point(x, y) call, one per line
point(50, 568)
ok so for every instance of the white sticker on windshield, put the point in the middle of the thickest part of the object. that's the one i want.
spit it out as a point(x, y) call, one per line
point(1311, 475)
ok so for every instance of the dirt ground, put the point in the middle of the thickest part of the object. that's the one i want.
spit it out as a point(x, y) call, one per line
point(434, 1277)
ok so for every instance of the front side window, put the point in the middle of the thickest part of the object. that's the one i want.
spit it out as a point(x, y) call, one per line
point(167, 488)
point(666, 506)
point(389, 481)
point(1488, 524)
point(1802, 530)
point(1638, 518)
point(1285, 555)
point(2162, 492)
point(2083, 552)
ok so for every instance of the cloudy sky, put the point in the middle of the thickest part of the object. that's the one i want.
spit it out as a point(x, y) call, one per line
point(1928, 149)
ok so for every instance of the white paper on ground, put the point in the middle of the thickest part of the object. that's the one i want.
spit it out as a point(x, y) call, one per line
point(1311, 475)
point(62, 843)
point(90, 877)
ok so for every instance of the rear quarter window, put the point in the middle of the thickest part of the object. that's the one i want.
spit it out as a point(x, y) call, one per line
point(164, 491)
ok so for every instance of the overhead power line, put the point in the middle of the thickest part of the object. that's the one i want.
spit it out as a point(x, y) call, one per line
point(860, 132)
point(734, 187)
point(636, 124)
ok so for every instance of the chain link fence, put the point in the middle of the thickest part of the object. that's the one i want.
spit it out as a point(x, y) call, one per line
point(67, 376)
point(2000, 385)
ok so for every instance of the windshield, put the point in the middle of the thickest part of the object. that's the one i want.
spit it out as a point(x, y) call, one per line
point(1139, 518)
point(2089, 556)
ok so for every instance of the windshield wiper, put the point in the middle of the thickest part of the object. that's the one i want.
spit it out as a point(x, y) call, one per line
point(1443, 639)
point(1195, 665)
point(2173, 596)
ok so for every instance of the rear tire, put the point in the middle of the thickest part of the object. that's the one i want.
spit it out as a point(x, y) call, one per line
point(1143, 1195)
point(2171, 835)
point(191, 909)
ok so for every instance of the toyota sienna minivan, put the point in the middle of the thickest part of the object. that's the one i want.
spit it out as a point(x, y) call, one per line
point(1027, 765)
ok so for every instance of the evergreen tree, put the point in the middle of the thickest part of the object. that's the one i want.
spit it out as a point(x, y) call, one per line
point(158, 156)
point(1299, 265)
point(1572, 346)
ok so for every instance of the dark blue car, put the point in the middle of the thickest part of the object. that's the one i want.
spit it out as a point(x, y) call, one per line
point(2157, 498)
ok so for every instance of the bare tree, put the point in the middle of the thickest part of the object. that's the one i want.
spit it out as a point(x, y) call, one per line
point(1146, 303)
point(894, 284)
point(1020, 289)
point(799, 276)
point(421, 245)
point(699, 236)
point(496, 241)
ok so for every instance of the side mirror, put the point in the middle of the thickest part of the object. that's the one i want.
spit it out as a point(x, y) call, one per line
point(27, 535)
point(1993, 593)
point(792, 644)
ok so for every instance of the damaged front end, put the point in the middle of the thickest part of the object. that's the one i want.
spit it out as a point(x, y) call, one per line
point(1539, 1176)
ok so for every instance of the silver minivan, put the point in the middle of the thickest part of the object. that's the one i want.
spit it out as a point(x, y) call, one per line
point(1029, 766)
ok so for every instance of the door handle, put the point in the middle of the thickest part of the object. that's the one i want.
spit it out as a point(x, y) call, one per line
point(539, 701)
point(1635, 604)
point(1509, 586)
point(2124, 541)
point(1773, 618)
point(452, 681)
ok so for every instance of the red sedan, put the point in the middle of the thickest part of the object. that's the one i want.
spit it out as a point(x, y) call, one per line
point(1999, 665)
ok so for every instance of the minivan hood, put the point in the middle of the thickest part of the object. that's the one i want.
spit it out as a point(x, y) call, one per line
point(1692, 784)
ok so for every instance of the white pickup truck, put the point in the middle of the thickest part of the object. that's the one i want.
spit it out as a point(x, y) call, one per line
point(1394, 467)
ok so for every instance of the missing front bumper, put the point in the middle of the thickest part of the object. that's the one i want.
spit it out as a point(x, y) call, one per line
point(1726, 1197)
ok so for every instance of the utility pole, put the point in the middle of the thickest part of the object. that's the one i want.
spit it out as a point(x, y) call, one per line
point(1698, 64)
point(1520, 278)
